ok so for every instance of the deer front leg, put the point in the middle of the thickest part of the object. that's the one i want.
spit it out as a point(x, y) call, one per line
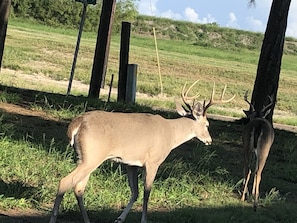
point(133, 184)
point(150, 174)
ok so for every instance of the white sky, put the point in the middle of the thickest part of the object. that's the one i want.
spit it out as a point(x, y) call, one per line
point(228, 13)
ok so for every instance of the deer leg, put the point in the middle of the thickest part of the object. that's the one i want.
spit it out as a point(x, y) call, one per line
point(133, 184)
point(76, 176)
point(255, 192)
point(79, 192)
point(258, 175)
point(150, 174)
point(246, 167)
point(245, 183)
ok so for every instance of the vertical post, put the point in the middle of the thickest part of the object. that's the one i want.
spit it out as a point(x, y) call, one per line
point(102, 48)
point(4, 13)
point(82, 21)
point(124, 57)
point(131, 83)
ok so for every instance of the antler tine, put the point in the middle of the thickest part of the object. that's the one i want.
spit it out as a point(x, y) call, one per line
point(222, 95)
point(267, 106)
point(212, 101)
point(185, 97)
point(246, 99)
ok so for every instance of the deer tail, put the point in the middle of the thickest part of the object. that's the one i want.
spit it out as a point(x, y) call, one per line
point(73, 128)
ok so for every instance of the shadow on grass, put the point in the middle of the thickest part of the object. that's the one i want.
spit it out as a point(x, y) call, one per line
point(16, 190)
point(277, 212)
point(226, 144)
point(34, 126)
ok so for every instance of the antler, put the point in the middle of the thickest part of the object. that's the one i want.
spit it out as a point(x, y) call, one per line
point(267, 107)
point(212, 101)
point(252, 108)
point(252, 113)
point(185, 97)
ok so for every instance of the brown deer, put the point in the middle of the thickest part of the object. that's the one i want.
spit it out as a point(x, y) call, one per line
point(257, 137)
point(135, 139)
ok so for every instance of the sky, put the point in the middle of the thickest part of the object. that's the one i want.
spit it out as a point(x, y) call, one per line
point(236, 14)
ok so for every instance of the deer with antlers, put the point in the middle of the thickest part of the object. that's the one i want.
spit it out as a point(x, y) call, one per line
point(135, 139)
point(257, 137)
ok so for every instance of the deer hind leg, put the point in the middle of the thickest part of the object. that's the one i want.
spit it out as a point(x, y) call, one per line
point(257, 179)
point(133, 184)
point(245, 184)
point(255, 191)
point(78, 179)
point(79, 192)
point(247, 159)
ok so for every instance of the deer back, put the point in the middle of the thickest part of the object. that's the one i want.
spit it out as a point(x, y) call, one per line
point(131, 137)
point(258, 133)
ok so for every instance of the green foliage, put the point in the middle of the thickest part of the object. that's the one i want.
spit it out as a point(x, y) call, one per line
point(125, 11)
point(67, 13)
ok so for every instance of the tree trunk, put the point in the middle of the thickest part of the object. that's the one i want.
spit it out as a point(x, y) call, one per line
point(4, 12)
point(269, 65)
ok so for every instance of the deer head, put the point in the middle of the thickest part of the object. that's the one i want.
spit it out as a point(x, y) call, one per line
point(252, 113)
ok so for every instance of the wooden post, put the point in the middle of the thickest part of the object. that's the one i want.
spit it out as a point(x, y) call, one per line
point(124, 59)
point(4, 13)
point(102, 48)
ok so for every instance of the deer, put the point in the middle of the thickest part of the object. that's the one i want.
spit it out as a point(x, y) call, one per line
point(257, 138)
point(135, 139)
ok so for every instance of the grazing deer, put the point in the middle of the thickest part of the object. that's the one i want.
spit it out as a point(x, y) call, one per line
point(257, 137)
point(135, 139)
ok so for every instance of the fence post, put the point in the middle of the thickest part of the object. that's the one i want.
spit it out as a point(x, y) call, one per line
point(124, 60)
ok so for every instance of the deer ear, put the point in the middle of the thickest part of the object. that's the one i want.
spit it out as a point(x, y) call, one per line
point(180, 109)
point(197, 110)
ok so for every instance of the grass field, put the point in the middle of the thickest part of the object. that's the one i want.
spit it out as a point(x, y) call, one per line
point(43, 51)
point(196, 183)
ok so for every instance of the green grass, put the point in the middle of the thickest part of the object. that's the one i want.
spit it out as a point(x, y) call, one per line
point(196, 183)
point(48, 51)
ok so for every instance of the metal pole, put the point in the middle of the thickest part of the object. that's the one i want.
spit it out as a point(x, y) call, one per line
point(82, 21)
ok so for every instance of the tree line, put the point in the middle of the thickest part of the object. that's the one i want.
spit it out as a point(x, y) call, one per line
point(67, 13)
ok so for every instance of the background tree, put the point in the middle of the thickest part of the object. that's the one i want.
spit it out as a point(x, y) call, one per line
point(269, 65)
point(4, 12)
point(126, 11)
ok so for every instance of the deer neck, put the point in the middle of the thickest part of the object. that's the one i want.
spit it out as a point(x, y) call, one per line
point(182, 130)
